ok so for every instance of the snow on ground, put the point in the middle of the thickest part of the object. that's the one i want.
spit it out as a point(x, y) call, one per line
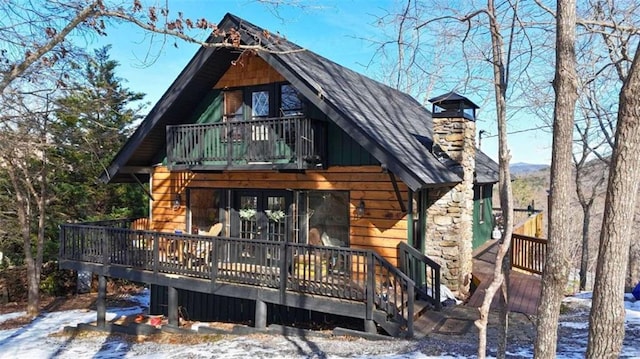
point(34, 340)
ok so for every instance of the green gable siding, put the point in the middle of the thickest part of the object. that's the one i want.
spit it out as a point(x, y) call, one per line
point(209, 110)
point(482, 214)
point(344, 151)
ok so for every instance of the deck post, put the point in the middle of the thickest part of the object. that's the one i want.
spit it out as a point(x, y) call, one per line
point(172, 306)
point(369, 325)
point(260, 321)
point(101, 306)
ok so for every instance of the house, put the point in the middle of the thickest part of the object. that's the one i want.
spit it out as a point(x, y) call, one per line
point(281, 182)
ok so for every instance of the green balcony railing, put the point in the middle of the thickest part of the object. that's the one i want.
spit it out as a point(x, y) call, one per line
point(287, 142)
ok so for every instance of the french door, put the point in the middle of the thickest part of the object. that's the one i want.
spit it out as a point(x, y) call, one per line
point(262, 214)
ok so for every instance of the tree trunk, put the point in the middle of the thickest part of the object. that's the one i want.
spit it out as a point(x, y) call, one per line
point(557, 263)
point(606, 321)
point(33, 272)
point(633, 272)
point(584, 258)
point(500, 274)
point(504, 310)
point(23, 211)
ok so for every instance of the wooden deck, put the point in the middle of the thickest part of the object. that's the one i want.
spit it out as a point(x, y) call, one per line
point(335, 280)
point(524, 288)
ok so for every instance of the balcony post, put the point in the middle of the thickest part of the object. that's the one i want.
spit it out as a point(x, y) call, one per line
point(229, 142)
point(297, 142)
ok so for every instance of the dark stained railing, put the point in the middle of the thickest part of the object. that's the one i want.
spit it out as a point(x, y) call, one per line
point(286, 141)
point(528, 253)
point(423, 271)
point(129, 223)
point(528, 250)
point(344, 273)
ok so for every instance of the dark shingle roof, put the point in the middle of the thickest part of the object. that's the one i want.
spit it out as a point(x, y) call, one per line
point(391, 125)
point(486, 168)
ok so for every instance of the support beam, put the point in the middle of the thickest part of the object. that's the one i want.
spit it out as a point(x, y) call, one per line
point(101, 304)
point(260, 321)
point(141, 186)
point(396, 189)
point(172, 306)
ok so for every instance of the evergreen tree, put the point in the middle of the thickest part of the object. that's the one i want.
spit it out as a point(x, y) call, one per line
point(93, 124)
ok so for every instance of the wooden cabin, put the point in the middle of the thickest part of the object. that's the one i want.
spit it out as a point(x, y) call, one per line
point(281, 182)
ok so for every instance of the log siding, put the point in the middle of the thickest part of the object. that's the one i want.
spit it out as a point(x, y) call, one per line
point(381, 228)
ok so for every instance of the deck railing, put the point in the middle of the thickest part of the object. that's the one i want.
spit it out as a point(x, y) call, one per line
point(423, 271)
point(128, 223)
point(528, 249)
point(528, 253)
point(277, 141)
point(344, 273)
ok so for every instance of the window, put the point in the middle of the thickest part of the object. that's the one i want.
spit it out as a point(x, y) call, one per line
point(204, 205)
point(260, 104)
point(329, 218)
point(233, 109)
point(290, 101)
point(233, 112)
point(481, 192)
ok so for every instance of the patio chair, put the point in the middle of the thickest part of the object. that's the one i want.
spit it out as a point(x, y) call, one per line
point(203, 249)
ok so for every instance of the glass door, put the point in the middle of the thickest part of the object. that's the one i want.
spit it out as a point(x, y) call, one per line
point(263, 215)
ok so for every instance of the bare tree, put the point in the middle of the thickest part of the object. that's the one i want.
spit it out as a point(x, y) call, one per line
point(500, 58)
point(501, 272)
point(557, 263)
point(606, 321)
point(36, 58)
point(23, 159)
point(591, 167)
point(38, 31)
point(604, 63)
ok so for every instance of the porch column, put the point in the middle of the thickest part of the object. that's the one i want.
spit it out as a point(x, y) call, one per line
point(101, 306)
point(172, 306)
point(370, 326)
point(260, 321)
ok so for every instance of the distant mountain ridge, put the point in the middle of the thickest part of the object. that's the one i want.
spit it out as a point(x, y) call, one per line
point(522, 168)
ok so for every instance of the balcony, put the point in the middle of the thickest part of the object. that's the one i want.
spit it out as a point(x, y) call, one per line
point(269, 143)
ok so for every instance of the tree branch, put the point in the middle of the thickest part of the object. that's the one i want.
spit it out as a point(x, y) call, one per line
point(32, 57)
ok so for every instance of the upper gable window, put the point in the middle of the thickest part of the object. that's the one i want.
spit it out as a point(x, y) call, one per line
point(233, 105)
point(290, 101)
point(260, 104)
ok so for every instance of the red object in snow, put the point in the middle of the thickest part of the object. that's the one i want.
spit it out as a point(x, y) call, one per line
point(155, 321)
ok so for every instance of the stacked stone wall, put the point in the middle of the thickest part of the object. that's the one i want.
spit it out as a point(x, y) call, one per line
point(449, 234)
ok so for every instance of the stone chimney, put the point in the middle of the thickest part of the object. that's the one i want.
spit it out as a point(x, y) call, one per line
point(449, 234)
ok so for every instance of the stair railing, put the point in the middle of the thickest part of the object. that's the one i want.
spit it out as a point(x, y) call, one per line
point(422, 270)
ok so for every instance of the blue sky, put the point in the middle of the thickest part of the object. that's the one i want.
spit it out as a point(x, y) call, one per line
point(332, 28)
